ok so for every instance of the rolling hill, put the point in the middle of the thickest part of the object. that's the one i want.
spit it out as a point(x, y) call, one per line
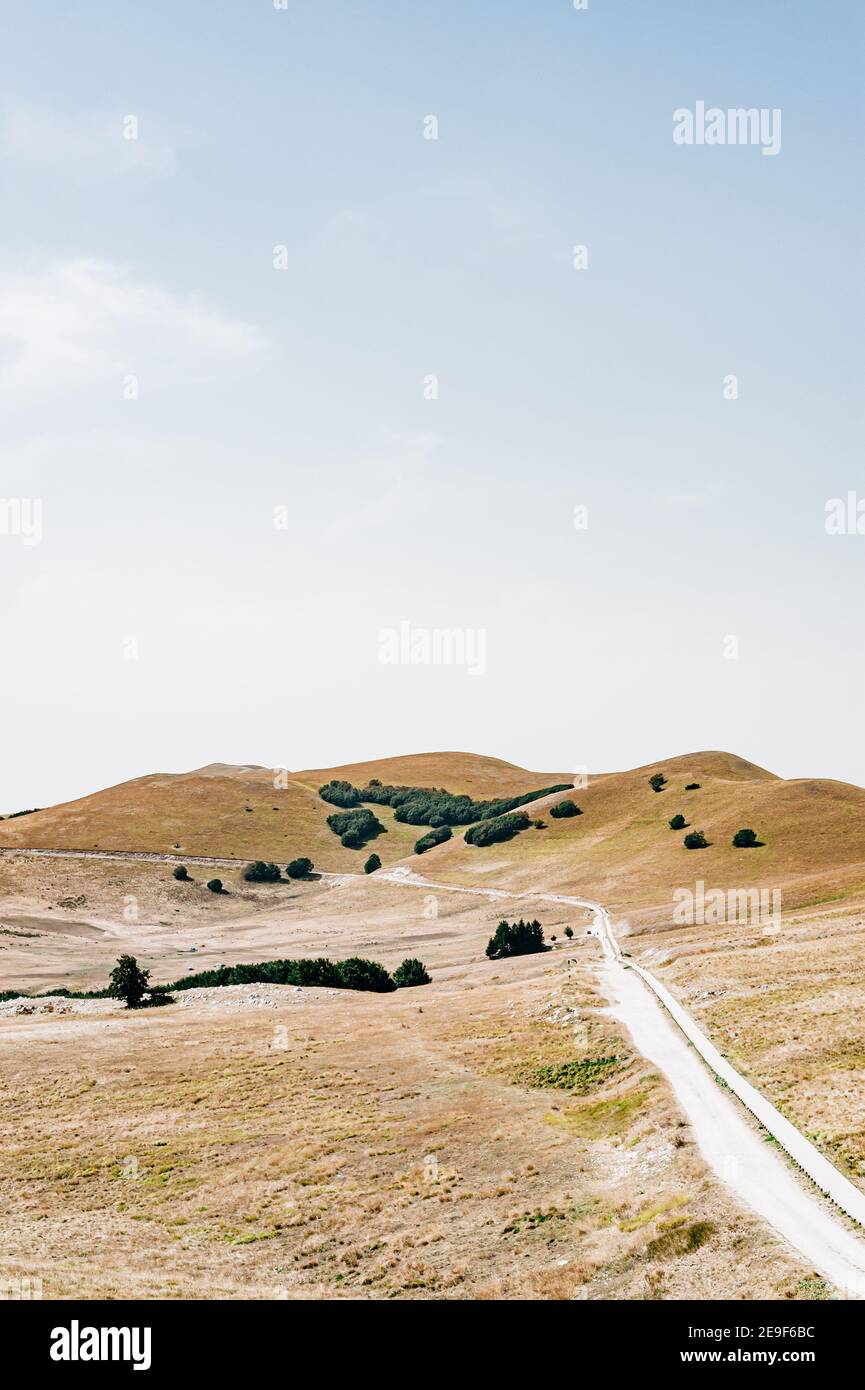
point(620, 850)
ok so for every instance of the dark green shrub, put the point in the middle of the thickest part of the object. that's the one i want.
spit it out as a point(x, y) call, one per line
point(411, 972)
point(181, 873)
point(657, 781)
point(432, 838)
point(678, 823)
point(516, 939)
point(563, 809)
point(215, 885)
point(129, 982)
point(259, 872)
point(490, 832)
point(569, 931)
point(696, 840)
point(355, 827)
point(746, 839)
point(299, 868)
point(372, 864)
point(692, 787)
point(321, 973)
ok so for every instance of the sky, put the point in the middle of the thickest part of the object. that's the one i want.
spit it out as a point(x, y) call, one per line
point(301, 364)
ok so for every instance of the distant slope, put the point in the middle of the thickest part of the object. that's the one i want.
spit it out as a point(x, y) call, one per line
point(238, 813)
point(621, 851)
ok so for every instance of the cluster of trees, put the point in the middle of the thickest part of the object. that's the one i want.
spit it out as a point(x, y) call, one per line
point(354, 973)
point(356, 827)
point(260, 872)
point(299, 868)
point(490, 832)
point(436, 836)
point(428, 805)
point(563, 809)
point(516, 939)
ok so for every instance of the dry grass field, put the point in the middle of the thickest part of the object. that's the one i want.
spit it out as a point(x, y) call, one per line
point(490, 1135)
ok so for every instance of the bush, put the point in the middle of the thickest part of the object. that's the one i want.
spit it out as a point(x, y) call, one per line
point(181, 873)
point(129, 982)
point(489, 832)
point(569, 931)
point(432, 838)
point(692, 787)
point(354, 973)
point(678, 823)
point(411, 972)
point(563, 809)
point(429, 805)
point(372, 864)
point(696, 840)
point(215, 885)
point(259, 872)
point(746, 839)
point(299, 868)
point(355, 827)
point(516, 939)
point(657, 781)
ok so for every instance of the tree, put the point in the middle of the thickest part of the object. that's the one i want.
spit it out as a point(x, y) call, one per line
point(563, 809)
point(696, 840)
point(181, 873)
point(259, 872)
point(129, 982)
point(657, 781)
point(569, 931)
point(678, 823)
point(746, 839)
point(372, 864)
point(215, 885)
point(692, 787)
point(299, 868)
point(356, 973)
point(411, 972)
point(516, 939)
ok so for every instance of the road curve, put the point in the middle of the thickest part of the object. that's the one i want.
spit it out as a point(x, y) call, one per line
point(743, 1158)
point(666, 1034)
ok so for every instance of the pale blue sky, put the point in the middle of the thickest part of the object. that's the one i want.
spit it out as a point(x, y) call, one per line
point(303, 387)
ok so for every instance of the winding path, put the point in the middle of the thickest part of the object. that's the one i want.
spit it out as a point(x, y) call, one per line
point(742, 1157)
point(666, 1034)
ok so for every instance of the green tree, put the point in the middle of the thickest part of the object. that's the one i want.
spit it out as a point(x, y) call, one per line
point(372, 864)
point(569, 931)
point(692, 787)
point(411, 972)
point(696, 840)
point(215, 885)
point(129, 982)
point(746, 839)
point(563, 809)
point(356, 973)
point(516, 939)
point(260, 872)
point(657, 781)
point(299, 868)
point(181, 873)
point(678, 823)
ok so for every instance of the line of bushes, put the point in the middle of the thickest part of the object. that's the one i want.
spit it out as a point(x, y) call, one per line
point(490, 832)
point(432, 806)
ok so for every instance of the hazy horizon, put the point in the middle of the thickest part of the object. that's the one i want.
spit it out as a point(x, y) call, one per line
point(288, 378)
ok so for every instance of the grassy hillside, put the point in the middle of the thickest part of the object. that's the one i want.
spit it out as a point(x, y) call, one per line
point(237, 813)
point(620, 850)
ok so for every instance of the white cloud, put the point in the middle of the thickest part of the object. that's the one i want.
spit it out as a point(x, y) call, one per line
point(91, 147)
point(84, 322)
